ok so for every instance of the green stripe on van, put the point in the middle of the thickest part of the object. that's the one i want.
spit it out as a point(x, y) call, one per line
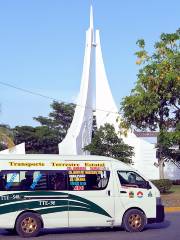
point(72, 203)
point(8, 198)
point(14, 207)
point(71, 208)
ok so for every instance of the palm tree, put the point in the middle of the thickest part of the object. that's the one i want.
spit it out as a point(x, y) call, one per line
point(6, 136)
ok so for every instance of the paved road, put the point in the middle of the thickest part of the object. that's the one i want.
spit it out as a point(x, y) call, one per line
point(169, 230)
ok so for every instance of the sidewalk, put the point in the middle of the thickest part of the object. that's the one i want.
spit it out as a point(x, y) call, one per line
point(171, 200)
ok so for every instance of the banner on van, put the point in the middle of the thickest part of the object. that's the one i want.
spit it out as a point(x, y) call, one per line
point(74, 166)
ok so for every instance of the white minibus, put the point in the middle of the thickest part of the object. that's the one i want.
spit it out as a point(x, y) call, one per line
point(53, 191)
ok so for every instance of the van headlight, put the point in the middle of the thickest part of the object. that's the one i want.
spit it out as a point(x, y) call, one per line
point(158, 201)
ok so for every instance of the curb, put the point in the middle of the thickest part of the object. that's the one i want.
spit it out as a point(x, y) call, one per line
point(172, 209)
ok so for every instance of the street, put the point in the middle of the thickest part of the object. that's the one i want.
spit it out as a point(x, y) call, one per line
point(168, 230)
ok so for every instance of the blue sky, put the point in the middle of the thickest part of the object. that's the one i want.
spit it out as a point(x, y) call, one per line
point(42, 48)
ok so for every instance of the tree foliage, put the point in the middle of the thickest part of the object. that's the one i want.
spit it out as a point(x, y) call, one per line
point(107, 143)
point(59, 119)
point(6, 137)
point(154, 103)
point(45, 138)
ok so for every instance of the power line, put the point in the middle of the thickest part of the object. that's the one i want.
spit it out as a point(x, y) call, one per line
point(48, 97)
point(27, 91)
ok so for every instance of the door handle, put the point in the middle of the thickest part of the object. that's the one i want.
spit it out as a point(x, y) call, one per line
point(109, 192)
point(123, 192)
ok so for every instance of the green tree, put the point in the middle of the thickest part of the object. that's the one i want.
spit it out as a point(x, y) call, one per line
point(107, 143)
point(6, 137)
point(59, 119)
point(45, 138)
point(154, 103)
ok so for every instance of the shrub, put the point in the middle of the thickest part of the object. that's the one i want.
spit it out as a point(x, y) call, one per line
point(163, 185)
point(176, 182)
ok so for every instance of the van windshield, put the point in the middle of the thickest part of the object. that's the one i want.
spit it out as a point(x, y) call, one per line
point(131, 179)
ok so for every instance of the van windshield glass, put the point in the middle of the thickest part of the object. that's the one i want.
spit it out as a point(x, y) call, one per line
point(131, 179)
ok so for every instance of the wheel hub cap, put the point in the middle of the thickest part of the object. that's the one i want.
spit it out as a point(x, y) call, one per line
point(29, 225)
point(135, 221)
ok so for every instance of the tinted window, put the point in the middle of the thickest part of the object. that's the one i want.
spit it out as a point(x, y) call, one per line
point(131, 179)
point(88, 180)
point(58, 180)
point(53, 180)
point(33, 180)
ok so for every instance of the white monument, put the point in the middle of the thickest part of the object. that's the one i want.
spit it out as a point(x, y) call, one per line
point(79, 133)
point(106, 111)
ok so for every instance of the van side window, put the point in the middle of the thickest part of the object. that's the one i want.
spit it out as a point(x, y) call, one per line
point(131, 179)
point(2, 181)
point(88, 180)
point(12, 180)
point(58, 180)
point(33, 180)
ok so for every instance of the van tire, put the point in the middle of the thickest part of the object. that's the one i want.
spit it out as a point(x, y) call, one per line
point(134, 220)
point(28, 225)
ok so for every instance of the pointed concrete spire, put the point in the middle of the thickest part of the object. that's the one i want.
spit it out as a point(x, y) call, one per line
point(91, 18)
point(80, 132)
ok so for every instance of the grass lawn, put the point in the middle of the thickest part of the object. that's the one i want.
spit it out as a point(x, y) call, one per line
point(175, 189)
point(172, 198)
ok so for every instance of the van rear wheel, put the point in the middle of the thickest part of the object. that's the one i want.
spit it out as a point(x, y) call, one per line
point(28, 225)
point(134, 220)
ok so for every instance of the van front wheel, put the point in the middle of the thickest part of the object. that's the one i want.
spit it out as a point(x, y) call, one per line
point(134, 220)
point(28, 225)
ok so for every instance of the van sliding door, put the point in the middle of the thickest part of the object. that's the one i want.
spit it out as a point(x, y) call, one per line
point(91, 196)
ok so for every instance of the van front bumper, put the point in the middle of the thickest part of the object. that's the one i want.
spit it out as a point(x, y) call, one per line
point(159, 215)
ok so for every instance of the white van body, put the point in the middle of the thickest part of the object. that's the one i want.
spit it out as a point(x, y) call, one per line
point(79, 204)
